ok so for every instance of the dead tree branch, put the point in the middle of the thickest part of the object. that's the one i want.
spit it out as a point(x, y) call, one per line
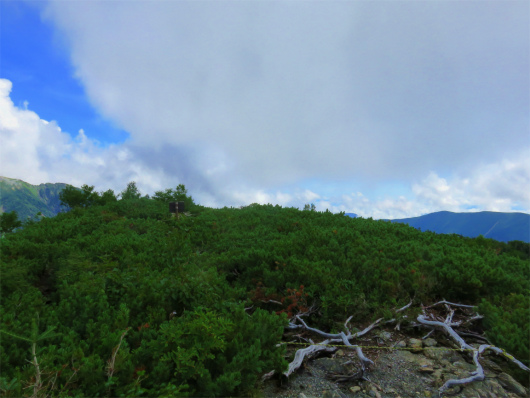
point(449, 303)
point(478, 374)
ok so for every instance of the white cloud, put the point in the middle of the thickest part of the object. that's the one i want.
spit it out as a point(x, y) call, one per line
point(248, 101)
point(285, 91)
point(37, 151)
point(501, 186)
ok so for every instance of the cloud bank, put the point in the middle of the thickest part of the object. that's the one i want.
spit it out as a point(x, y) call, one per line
point(295, 90)
point(37, 151)
point(248, 101)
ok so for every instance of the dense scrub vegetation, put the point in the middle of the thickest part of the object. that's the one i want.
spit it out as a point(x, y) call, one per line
point(118, 298)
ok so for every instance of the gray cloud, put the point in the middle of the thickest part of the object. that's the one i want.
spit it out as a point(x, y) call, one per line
point(272, 93)
point(37, 151)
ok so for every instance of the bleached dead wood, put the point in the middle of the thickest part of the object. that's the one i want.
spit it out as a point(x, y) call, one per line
point(332, 338)
point(478, 374)
point(404, 307)
point(449, 303)
point(308, 352)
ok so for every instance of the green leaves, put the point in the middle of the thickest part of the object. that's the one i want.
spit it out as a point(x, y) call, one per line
point(9, 221)
point(182, 286)
point(72, 197)
point(131, 192)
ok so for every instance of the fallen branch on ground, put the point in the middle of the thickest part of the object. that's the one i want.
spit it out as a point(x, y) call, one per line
point(447, 327)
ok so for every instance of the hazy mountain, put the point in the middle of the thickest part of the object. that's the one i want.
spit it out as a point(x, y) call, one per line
point(27, 200)
point(503, 227)
point(352, 215)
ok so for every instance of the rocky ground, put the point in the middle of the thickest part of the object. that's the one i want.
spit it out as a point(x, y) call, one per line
point(417, 368)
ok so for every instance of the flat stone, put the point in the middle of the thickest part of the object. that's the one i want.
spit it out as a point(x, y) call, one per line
point(406, 356)
point(464, 365)
point(400, 344)
point(511, 384)
point(331, 365)
point(330, 394)
point(374, 393)
point(488, 388)
point(385, 335)
point(430, 342)
point(489, 364)
point(439, 354)
point(426, 369)
point(415, 344)
point(355, 389)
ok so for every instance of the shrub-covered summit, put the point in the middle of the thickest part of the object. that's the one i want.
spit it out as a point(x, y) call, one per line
point(145, 304)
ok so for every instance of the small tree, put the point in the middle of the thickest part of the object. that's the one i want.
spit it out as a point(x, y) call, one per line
point(9, 222)
point(72, 197)
point(311, 207)
point(131, 192)
point(108, 197)
point(180, 194)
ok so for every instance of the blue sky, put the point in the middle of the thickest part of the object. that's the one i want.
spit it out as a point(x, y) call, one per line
point(384, 109)
point(37, 62)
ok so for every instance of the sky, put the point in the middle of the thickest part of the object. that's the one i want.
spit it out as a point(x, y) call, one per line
point(386, 109)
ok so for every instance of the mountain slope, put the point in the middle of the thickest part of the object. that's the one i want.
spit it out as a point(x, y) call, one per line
point(197, 305)
point(27, 200)
point(503, 227)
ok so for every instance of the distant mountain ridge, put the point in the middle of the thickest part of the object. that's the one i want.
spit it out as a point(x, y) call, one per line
point(27, 200)
point(503, 227)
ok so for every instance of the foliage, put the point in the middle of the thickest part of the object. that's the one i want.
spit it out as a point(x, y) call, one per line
point(9, 221)
point(149, 305)
point(310, 207)
point(131, 192)
point(72, 197)
point(179, 194)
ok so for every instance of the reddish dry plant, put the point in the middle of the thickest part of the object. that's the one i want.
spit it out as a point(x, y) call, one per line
point(144, 326)
point(297, 300)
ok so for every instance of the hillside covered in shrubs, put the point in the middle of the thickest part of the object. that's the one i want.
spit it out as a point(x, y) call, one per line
point(119, 298)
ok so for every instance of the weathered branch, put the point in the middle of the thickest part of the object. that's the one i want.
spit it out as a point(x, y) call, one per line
point(346, 325)
point(38, 381)
point(448, 329)
point(112, 360)
point(453, 304)
point(405, 307)
point(271, 301)
point(477, 375)
point(331, 338)
point(307, 352)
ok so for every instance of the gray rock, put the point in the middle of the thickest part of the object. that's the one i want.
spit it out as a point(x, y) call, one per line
point(415, 344)
point(464, 365)
point(385, 335)
point(429, 342)
point(374, 393)
point(406, 356)
point(426, 369)
point(488, 388)
point(439, 354)
point(488, 364)
point(400, 344)
point(330, 394)
point(331, 365)
point(510, 384)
